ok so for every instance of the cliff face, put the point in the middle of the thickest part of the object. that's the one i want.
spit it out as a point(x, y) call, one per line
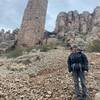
point(73, 24)
point(32, 27)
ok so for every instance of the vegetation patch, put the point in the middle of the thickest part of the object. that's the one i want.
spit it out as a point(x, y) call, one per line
point(94, 46)
point(17, 52)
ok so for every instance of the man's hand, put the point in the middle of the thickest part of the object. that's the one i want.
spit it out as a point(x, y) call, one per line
point(70, 74)
point(86, 73)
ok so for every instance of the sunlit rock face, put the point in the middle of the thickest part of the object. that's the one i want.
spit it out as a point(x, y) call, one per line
point(78, 28)
point(32, 27)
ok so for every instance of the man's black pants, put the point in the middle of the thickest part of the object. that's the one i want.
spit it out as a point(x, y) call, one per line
point(76, 76)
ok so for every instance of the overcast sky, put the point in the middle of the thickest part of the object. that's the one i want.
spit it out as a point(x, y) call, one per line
point(11, 11)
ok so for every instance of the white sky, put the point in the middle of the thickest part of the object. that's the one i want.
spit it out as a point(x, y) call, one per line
point(11, 11)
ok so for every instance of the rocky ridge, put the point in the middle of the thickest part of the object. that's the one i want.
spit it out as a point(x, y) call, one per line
point(79, 26)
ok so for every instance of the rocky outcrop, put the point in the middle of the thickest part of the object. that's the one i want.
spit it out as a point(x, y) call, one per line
point(78, 28)
point(8, 40)
point(96, 21)
point(32, 27)
point(73, 22)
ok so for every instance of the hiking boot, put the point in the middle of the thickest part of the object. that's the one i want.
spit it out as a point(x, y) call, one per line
point(85, 97)
point(79, 98)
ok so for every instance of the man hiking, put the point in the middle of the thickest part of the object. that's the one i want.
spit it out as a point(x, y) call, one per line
point(78, 64)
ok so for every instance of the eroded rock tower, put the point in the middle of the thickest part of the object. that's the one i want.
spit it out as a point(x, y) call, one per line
point(33, 23)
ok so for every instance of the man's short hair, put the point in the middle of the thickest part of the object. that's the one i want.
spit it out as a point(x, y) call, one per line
point(74, 46)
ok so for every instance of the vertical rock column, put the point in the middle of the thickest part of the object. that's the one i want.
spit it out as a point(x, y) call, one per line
point(33, 23)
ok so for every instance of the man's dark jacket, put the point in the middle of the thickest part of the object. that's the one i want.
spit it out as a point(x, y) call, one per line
point(75, 58)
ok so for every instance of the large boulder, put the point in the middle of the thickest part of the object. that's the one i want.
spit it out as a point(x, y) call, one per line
point(7, 46)
point(97, 96)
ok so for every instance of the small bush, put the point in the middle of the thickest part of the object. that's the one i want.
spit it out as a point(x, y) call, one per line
point(46, 47)
point(21, 51)
point(17, 52)
point(94, 46)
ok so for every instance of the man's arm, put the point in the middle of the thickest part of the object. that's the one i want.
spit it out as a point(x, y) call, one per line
point(69, 64)
point(85, 62)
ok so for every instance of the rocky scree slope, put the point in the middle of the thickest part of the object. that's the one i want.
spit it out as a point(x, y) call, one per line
point(44, 76)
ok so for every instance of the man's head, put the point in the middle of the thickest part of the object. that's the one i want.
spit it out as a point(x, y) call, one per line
point(74, 48)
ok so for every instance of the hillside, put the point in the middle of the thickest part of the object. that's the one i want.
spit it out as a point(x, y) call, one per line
point(44, 76)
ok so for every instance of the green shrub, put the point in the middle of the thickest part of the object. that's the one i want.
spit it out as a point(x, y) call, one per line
point(21, 51)
point(18, 52)
point(94, 46)
point(15, 53)
point(46, 47)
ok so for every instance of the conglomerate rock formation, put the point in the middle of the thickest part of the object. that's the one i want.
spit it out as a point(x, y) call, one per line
point(32, 28)
point(84, 26)
point(8, 40)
